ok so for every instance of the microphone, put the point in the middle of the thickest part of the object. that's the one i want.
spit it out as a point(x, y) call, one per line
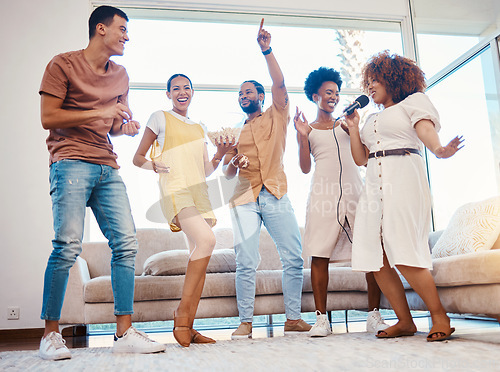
point(359, 102)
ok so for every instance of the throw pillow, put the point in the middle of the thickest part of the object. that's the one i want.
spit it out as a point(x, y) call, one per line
point(473, 227)
point(174, 262)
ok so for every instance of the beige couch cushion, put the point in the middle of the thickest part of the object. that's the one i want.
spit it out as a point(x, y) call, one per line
point(268, 282)
point(473, 227)
point(467, 269)
point(175, 262)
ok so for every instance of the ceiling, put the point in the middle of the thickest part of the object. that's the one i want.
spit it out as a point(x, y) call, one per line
point(477, 17)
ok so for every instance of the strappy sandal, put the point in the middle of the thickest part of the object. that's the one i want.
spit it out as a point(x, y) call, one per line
point(182, 330)
point(445, 330)
point(393, 332)
point(198, 338)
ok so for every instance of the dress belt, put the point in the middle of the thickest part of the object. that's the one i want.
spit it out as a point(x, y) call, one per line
point(404, 151)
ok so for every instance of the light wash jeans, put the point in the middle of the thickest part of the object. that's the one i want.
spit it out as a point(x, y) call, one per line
point(279, 219)
point(75, 184)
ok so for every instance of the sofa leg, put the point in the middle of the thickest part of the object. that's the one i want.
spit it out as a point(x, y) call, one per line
point(346, 321)
point(80, 330)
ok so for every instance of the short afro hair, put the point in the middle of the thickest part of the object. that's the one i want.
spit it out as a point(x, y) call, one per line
point(400, 76)
point(316, 79)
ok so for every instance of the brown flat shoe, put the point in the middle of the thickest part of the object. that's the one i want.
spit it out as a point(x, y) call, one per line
point(198, 338)
point(182, 330)
point(445, 331)
point(393, 332)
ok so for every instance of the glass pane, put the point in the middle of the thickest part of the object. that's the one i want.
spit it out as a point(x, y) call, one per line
point(142, 185)
point(438, 51)
point(159, 48)
point(467, 102)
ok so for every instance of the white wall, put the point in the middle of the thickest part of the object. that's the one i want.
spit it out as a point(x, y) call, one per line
point(31, 36)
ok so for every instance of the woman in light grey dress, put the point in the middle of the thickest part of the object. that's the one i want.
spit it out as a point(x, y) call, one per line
point(335, 188)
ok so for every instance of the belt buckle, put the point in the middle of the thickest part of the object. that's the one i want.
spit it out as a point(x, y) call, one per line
point(376, 152)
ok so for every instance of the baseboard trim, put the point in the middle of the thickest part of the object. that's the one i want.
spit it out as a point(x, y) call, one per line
point(28, 333)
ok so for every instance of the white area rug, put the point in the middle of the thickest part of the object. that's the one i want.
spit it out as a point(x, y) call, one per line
point(339, 352)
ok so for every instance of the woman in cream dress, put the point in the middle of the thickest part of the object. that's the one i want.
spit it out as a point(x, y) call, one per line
point(180, 157)
point(393, 214)
point(330, 208)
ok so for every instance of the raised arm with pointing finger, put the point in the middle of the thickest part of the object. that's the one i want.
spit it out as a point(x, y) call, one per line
point(278, 89)
point(251, 99)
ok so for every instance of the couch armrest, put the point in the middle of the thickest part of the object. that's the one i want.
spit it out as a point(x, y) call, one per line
point(73, 311)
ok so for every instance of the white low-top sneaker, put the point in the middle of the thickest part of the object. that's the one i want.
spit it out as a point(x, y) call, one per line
point(375, 322)
point(134, 341)
point(53, 347)
point(322, 326)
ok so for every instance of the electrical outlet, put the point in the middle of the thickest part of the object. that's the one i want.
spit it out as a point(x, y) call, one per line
point(13, 312)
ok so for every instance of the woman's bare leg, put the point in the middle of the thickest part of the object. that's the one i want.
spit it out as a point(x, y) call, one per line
point(201, 243)
point(319, 282)
point(389, 282)
point(374, 292)
point(422, 282)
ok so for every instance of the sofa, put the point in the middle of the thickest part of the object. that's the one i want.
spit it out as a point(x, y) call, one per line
point(89, 298)
point(468, 283)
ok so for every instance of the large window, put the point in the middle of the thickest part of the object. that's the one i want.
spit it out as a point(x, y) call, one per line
point(218, 56)
point(468, 102)
point(437, 50)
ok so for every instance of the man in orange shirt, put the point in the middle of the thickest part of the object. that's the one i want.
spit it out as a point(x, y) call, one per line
point(260, 196)
point(83, 100)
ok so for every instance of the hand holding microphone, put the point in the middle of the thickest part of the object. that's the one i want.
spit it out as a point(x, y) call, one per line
point(359, 102)
point(353, 120)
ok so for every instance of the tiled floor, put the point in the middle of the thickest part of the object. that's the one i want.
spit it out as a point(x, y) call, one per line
point(472, 329)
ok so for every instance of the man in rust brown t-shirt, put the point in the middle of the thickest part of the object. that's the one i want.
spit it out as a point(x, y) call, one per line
point(260, 196)
point(83, 100)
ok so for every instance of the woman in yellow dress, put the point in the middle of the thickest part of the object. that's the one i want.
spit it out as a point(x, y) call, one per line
point(180, 157)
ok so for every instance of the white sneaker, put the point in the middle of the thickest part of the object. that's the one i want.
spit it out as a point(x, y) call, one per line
point(322, 326)
point(53, 347)
point(134, 341)
point(375, 322)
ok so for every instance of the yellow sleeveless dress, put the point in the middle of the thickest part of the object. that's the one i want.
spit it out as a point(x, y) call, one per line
point(185, 185)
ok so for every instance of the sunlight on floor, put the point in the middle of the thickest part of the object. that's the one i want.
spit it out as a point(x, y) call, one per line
point(471, 329)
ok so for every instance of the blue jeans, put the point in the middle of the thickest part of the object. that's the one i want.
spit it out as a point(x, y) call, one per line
point(279, 219)
point(74, 185)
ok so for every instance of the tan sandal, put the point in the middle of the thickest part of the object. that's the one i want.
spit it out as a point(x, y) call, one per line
point(446, 332)
point(198, 338)
point(393, 332)
point(182, 330)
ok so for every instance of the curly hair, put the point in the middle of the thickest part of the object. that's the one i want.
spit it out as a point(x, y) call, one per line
point(316, 78)
point(399, 75)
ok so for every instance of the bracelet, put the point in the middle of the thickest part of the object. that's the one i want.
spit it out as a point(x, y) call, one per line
point(266, 52)
point(435, 150)
point(216, 159)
